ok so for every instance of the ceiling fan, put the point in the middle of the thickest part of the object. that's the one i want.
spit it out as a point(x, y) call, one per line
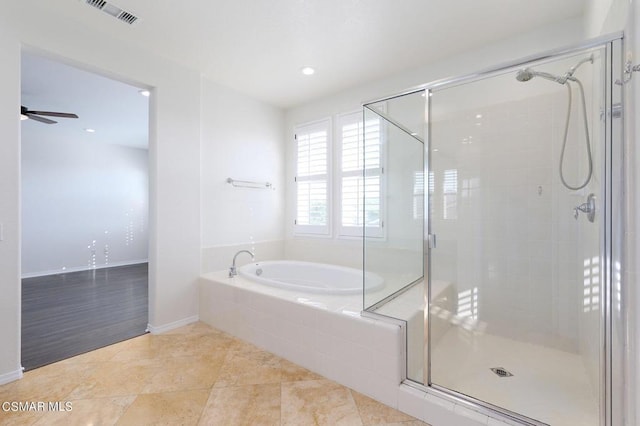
point(35, 115)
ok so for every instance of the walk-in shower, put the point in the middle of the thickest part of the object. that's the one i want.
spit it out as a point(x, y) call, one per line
point(506, 287)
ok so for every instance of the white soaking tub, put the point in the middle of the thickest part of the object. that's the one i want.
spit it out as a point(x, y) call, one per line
point(310, 277)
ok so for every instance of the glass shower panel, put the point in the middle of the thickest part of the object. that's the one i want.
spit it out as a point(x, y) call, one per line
point(394, 250)
point(515, 277)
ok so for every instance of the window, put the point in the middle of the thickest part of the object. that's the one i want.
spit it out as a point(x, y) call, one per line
point(450, 194)
point(357, 180)
point(360, 175)
point(312, 178)
point(418, 195)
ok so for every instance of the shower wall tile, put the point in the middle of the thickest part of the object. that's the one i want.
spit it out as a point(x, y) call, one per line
point(220, 257)
point(411, 401)
point(442, 413)
point(513, 230)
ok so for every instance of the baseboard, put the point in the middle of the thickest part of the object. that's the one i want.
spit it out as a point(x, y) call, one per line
point(83, 268)
point(166, 327)
point(11, 376)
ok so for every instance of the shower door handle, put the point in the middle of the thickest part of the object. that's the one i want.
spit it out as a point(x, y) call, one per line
point(431, 241)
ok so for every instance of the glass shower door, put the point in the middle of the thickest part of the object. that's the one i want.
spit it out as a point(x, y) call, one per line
point(395, 250)
point(397, 254)
point(516, 191)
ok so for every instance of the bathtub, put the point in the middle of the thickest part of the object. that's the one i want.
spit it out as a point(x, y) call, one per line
point(310, 277)
point(324, 333)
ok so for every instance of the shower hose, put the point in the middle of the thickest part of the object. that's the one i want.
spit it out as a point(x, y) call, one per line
point(566, 134)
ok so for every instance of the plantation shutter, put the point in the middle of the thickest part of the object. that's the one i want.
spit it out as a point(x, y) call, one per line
point(450, 194)
point(360, 175)
point(312, 183)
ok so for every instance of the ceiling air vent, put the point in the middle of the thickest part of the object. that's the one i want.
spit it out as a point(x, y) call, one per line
point(97, 3)
point(113, 10)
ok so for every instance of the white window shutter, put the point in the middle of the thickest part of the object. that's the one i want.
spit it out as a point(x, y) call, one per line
point(360, 175)
point(312, 178)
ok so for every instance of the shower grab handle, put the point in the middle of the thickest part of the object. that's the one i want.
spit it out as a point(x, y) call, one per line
point(431, 241)
point(589, 208)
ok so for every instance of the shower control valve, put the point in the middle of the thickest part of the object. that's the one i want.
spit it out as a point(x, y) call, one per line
point(589, 208)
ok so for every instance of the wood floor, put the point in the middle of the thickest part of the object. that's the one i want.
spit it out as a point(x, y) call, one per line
point(68, 314)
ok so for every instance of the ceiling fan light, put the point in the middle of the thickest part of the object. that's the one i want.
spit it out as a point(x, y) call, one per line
point(23, 117)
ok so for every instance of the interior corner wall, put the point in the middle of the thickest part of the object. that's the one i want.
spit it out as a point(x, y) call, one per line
point(242, 139)
point(10, 301)
point(605, 16)
point(631, 248)
point(174, 154)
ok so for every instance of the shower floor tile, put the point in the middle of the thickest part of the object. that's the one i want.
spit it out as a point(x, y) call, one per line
point(548, 385)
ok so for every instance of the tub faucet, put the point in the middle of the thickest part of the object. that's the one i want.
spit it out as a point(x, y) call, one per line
point(232, 270)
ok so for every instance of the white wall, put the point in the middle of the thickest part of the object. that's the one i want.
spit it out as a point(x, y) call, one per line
point(631, 220)
point(174, 158)
point(242, 138)
point(605, 16)
point(84, 205)
point(9, 206)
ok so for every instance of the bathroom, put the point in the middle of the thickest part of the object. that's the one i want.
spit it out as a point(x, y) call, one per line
point(195, 212)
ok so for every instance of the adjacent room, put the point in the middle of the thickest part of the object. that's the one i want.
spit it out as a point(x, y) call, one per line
point(84, 211)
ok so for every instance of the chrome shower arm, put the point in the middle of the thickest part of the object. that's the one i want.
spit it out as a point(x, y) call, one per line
point(573, 69)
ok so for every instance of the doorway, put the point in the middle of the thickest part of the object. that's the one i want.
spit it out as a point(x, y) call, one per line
point(84, 210)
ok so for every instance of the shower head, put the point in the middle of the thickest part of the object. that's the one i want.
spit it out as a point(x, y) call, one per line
point(527, 74)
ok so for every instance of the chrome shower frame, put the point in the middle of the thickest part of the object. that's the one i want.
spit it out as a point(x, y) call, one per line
point(612, 354)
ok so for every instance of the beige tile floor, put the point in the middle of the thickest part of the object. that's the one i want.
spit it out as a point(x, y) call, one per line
point(194, 375)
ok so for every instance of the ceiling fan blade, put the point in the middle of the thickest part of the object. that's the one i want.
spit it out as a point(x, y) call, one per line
point(54, 114)
point(40, 119)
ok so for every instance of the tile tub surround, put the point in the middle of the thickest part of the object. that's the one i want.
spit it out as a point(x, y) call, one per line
point(323, 333)
point(327, 335)
point(193, 375)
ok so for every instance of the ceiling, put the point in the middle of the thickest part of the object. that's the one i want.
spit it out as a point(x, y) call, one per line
point(258, 47)
point(117, 112)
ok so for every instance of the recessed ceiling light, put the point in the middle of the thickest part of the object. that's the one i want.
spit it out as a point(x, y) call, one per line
point(308, 71)
point(88, 130)
point(478, 115)
point(144, 92)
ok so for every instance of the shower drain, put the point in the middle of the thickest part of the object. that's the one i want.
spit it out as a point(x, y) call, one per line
point(501, 372)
